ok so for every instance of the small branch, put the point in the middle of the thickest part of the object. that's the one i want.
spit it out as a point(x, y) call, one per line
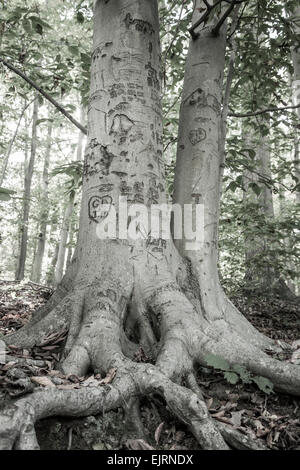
point(226, 98)
point(45, 94)
point(202, 18)
point(263, 111)
point(216, 29)
point(172, 41)
point(209, 8)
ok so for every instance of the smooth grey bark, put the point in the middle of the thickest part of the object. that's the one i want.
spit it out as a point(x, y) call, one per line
point(262, 275)
point(50, 278)
point(62, 246)
point(39, 253)
point(66, 228)
point(52, 248)
point(27, 192)
point(259, 174)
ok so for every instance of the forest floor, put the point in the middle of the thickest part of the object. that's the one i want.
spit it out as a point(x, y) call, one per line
point(272, 418)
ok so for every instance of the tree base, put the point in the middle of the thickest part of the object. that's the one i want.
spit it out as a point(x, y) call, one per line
point(109, 322)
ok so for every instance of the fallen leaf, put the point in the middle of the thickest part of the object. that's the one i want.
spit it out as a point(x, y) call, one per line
point(99, 446)
point(179, 436)
point(158, 432)
point(138, 444)
point(91, 382)
point(236, 417)
point(42, 380)
point(109, 377)
point(209, 402)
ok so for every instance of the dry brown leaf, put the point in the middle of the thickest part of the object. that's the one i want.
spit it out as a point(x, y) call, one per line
point(270, 439)
point(258, 424)
point(56, 373)
point(8, 365)
point(42, 380)
point(158, 432)
point(109, 377)
point(225, 420)
point(138, 444)
point(220, 414)
point(209, 402)
point(91, 382)
point(262, 432)
point(177, 447)
point(236, 417)
point(179, 436)
point(73, 378)
point(296, 344)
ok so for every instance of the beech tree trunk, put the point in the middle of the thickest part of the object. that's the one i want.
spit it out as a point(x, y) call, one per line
point(39, 254)
point(122, 294)
point(256, 246)
point(67, 218)
point(296, 94)
point(27, 192)
point(262, 275)
point(62, 247)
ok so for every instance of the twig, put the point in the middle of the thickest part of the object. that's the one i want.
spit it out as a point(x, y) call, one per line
point(208, 11)
point(226, 98)
point(263, 111)
point(45, 94)
point(202, 19)
point(216, 29)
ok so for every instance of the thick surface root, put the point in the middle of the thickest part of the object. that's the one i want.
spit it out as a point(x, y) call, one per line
point(108, 329)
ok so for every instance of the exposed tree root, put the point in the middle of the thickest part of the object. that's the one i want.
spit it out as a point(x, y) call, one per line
point(105, 333)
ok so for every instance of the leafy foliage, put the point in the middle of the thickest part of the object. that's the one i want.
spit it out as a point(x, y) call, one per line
point(235, 373)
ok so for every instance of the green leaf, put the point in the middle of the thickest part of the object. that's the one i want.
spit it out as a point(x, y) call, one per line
point(80, 17)
point(255, 188)
point(27, 26)
point(232, 186)
point(39, 28)
point(243, 373)
point(5, 194)
point(217, 362)
point(39, 121)
point(73, 50)
point(86, 59)
point(264, 384)
point(231, 377)
point(251, 152)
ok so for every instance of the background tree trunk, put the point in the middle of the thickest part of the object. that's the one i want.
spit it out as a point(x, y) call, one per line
point(44, 214)
point(27, 193)
point(67, 218)
point(199, 163)
point(259, 195)
point(296, 95)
